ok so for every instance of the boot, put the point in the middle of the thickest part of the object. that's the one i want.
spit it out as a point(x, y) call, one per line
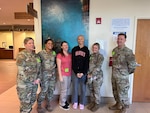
point(49, 108)
point(95, 108)
point(117, 106)
point(123, 110)
point(91, 105)
point(40, 109)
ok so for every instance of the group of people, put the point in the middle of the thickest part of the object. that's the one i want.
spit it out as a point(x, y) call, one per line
point(79, 67)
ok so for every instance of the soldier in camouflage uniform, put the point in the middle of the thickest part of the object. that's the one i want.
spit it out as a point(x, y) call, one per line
point(48, 79)
point(28, 64)
point(95, 77)
point(123, 64)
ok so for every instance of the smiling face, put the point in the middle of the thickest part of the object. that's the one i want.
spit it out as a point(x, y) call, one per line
point(64, 46)
point(29, 45)
point(95, 48)
point(81, 40)
point(49, 45)
point(121, 41)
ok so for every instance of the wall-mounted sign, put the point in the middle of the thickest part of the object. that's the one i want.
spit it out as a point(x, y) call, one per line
point(98, 20)
point(120, 24)
point(115, 35)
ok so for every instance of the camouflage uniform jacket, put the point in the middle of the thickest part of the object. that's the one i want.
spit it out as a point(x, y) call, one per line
point(124, 60)
point(95, 64)
point(48, 63)
point(28, 67)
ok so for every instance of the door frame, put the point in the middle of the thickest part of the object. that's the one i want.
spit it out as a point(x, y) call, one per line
point(134, 47)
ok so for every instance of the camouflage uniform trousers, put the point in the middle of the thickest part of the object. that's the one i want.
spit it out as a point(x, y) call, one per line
point(94, 88)
point(47, 89)
point(27, 96)
point(120, 85)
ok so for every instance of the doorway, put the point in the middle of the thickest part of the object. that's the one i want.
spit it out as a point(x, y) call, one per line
point(141, 83)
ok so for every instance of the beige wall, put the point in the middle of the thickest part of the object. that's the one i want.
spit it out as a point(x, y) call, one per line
point(18, 40)
point(6, 37)
point(131, 9)
point(107, 10)
point(15, 39)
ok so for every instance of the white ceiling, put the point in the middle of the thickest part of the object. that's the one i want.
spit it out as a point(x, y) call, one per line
point(7, 9)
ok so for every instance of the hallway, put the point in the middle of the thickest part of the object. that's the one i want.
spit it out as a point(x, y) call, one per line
point(8, 70)
point(9, 102)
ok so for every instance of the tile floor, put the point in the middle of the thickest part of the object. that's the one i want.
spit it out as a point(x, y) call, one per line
point(8, 72)
point(9, 102)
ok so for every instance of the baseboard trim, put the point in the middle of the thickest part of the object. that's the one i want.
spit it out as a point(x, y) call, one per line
point(104, 100)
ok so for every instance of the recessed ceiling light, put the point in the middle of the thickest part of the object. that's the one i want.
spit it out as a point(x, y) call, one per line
point(4, 23)
point(28, 20)
point(0, 8)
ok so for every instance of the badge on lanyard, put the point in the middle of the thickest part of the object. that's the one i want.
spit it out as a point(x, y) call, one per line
point(66, 69)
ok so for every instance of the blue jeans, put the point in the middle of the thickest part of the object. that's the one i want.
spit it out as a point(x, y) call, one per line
point(79, 82)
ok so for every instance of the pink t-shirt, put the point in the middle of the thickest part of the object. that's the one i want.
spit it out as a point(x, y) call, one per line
point(66, 64)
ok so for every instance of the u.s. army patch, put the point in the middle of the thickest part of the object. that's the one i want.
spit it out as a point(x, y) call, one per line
point(113, 53)
point(54, 53)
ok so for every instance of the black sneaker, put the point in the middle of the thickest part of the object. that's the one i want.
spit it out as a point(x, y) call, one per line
point(67, 104)
point(65, 107)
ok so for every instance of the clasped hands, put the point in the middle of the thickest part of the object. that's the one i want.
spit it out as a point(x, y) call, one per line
point(79, 75)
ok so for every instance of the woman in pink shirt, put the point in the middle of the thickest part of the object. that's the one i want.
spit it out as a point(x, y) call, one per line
point(64, 70)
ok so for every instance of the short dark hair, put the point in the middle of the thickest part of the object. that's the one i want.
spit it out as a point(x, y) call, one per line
point(48, 40)
point(123, 35)
point(97, 44)
point(61, 52)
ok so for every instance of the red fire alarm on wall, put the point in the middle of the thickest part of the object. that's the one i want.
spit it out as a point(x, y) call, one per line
point(98, 20)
